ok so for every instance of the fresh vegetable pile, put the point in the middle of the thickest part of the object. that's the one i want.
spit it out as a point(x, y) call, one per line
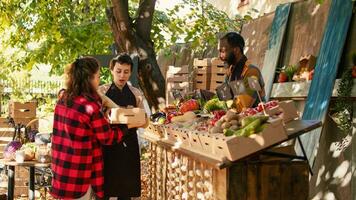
point(216, 118)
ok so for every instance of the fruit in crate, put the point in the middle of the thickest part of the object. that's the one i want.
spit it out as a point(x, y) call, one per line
point(214, 104)
point(189, 105)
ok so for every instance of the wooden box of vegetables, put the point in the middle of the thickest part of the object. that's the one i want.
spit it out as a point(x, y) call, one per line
point(179, 136)
point(157, 130)
point(170, 135)
point(290, 112)
point(195, 141)
point(236, 147)
point(183, 137)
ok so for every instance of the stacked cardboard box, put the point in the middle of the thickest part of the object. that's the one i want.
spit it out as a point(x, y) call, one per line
point(202, 69)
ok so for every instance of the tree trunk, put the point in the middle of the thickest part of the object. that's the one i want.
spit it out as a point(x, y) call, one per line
point(134, 38)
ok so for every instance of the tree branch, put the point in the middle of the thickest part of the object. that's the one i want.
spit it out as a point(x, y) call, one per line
point(144, 19)
point(122, 25)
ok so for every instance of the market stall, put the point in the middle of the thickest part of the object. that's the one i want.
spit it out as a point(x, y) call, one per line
point(222, 154)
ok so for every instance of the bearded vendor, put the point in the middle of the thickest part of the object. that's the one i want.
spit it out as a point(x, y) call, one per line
point(231, 52)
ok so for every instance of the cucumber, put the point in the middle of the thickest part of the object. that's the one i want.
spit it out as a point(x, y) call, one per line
point(228, 132)
point(260, 128)
point(247, 120)
point(249, 129)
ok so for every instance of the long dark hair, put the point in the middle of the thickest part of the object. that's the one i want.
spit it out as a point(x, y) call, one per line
point(78, 77)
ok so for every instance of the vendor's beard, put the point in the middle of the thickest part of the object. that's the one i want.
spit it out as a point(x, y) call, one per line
point(231, 59)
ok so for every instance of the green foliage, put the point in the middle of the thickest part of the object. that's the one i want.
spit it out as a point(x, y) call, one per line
point(57, 32)
point(290, 71)
point(200, 27)
point(54, 32)
point(105, 75)
point(353, 57)
point(343, 107)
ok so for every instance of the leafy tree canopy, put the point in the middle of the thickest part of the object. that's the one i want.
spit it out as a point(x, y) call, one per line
point(57, 32)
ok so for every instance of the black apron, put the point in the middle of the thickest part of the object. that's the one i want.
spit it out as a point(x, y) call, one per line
point(122, 171)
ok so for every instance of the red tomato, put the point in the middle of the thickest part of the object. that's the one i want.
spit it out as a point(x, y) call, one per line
point(189, 105)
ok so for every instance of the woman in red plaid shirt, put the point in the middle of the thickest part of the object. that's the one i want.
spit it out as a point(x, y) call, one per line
point(79, 131)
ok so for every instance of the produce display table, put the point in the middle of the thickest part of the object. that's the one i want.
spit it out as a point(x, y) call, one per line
point(11, 176)
point(181, 173)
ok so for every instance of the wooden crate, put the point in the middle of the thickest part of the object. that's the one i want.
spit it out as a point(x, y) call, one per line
point(171, 137)
point(202, 81)
point(157, 130)
point(235, 148)
point(179, 86)
point(22, 110)
point(3, 122)
point(202, 65)
point(217, 66)
point(267, 180)
point(183, 87)
point(216, 80)
point(201, 85)
point(178, 78)
point(215, 84)
point(220, 77)
point(178, 70)
point(202, 62)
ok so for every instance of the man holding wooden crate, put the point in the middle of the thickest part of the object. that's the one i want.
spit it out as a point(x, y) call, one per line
point(231, 52)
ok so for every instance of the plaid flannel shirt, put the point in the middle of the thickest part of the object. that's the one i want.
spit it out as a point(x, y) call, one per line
point(79, 131)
